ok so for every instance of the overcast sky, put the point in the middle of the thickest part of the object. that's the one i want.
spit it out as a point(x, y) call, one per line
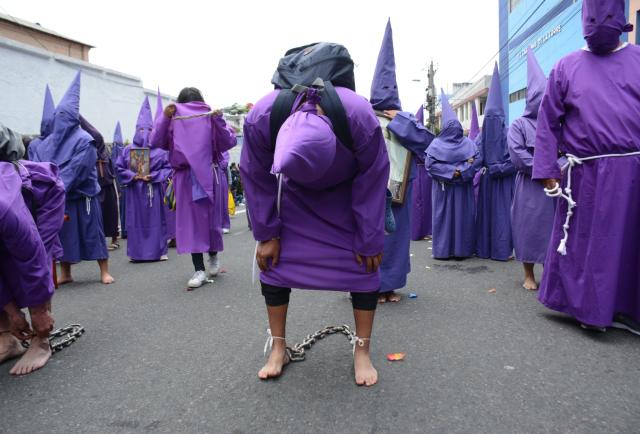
point(230, 49)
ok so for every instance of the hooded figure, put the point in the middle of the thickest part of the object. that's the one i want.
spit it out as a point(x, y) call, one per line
point(493, 218)
point(46, 124)
point(452, 161)
point(532, 211)
point(421, 196)
point(116, 151)
point(170, 215)
point(400, 129)
point(589, 112)
point(224, 187)
point(474, 132)
point(73, 151)
point(145, 209)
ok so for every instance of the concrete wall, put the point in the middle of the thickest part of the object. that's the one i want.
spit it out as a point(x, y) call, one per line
point(634, 11)
point(106, 96)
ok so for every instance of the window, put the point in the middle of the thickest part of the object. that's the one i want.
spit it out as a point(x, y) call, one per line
point(483, 104)
point(518, 95)
point(513, 4)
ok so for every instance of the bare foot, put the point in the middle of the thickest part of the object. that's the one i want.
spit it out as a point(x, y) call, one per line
point(366, 374)
point(36, 357)
point(278, 359)
point(10, 347)
point(393, 297)
point(106, 278)
point(382, 298)
point(530, 284)
point(64, 279)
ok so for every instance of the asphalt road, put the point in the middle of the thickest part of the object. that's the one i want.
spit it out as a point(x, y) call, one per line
point(156, 358)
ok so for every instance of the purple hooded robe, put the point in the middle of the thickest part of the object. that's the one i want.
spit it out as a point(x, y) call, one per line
point(170, 215)
point(453, 202)
point(532, 211)
point(224, 187)
point(493, 219)
point(116, 151)
point(421, 196)
point(73, 150)
point(195, 139)
point(591, 107)
point(320, 229)
point(25, 269)
point(474, 132)
point(46, 124)
point(146, 225)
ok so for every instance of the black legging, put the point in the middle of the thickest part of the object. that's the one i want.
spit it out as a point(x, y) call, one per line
point(277, 296)
point(198, 260)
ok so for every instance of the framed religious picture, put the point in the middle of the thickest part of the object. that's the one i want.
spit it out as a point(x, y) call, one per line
point(400, 163)
point(139, 161)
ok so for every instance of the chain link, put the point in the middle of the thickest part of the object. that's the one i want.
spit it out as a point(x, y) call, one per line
point(297, 353)
point(65, 336)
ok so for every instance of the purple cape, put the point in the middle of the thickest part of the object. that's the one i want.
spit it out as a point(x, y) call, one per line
point(421, 196)
point(591, 107)
point(320, 231)
point(25, 269)
point(384, 88)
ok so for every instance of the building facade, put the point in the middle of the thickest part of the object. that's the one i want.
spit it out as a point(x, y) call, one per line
point(552, 29)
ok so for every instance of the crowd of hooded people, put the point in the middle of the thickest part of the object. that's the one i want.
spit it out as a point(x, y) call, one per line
point(557, 187)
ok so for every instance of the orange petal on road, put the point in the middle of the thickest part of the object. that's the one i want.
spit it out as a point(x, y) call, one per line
point(396, 357)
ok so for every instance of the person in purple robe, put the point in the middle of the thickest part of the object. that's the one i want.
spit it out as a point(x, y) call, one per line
point(317, 212)
point(493, 218)
point(169, 214)
point(409, 133)
point(46, 124)
point(590, 112)
point(195, 136)
point(74, 151)
point(116, 150)
point(452, 161)
point(474, 132)
point(224, 181)
point(146, 224)
point(421, 227)
point(106, 177)
point(31, 214)
point(532, 211)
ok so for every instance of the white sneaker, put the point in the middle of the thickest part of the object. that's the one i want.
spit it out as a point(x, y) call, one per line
point(226, 230)
point(214, 265)
point(164, 258)
point(199, 277)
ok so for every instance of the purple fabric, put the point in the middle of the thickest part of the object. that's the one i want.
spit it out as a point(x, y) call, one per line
point(591, 107)
point(603, 21)
point(453, 206)
point(396, 262)
point(25, 269)
point(46, 124)
point(384, 87)
point(144, 124)
point(421, 195)
point(420, 116)
point(192, 144)
point(82, 235)
point(116, 151)
point(45, 192)
point(474, 131)
point(146, 222)
point(224, 181)
point(536, 83)
point(106, 173)
point(493, 218)
point(320, 230)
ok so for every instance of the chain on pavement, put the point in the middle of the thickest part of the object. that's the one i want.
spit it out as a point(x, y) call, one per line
point(62, 337)
point(297, 353)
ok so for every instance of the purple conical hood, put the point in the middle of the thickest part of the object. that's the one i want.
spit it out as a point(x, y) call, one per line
point(117, 136)
point(384, 88)
point(143, 125)
point(448, 115)
point(159, 108)
point(536, 83)
point(451, 145)
point(474, 131)
point(494, 100)
point(603, 21)
point(46, 125)
point(420, 116)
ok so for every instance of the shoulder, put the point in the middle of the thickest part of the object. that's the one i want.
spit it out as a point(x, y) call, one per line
point(261, 111)
point(358, 109)
point(43, 170)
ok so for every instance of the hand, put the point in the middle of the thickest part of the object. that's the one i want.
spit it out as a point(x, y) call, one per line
point(457, 174)
point(170, 111)
point(18, 324)
point(471, 160)
point(372, 262)
point(41, 319)
point(146, 178)
point(550, 184)
point(390, 114)
point(268, 250)
point(217, 112)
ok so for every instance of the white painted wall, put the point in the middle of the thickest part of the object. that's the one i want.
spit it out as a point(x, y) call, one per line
point(106, 96)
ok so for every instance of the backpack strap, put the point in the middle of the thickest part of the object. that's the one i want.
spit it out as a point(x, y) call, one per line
point(333, 108)
point(280, 111)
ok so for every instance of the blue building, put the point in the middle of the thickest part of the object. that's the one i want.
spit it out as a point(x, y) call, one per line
point(552, 28)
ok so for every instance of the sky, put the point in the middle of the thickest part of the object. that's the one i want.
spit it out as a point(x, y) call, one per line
point(230, 49)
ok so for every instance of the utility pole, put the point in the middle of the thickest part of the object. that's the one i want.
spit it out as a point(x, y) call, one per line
point(431, 98)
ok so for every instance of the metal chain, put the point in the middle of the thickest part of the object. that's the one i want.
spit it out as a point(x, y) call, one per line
point(297, 353)
point(65, 336)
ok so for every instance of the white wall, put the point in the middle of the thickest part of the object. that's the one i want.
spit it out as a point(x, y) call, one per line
point(106, 96)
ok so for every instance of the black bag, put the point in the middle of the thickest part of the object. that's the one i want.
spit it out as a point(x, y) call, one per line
point(302, 66)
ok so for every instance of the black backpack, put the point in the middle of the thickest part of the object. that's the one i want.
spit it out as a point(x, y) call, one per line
point(301, 68)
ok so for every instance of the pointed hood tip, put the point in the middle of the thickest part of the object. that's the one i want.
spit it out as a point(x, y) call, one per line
point(448, 114)
point(536, 83)
point(46, 124)
point(117, 135)
point(494, 99)
point(384, 87)
point(474, 130)
point(70, 102)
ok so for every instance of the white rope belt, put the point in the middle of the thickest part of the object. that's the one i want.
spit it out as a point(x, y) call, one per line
point(87, 202)
point(566, 193)
point(150, 194)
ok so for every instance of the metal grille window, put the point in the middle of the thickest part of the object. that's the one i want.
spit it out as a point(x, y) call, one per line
point(518, 95)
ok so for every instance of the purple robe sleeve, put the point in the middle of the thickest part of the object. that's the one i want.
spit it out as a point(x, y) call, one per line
point(79, 168)
point(260, 185)
point(51, 206)
point(225, 136)
point(369, 189)
point(411, 133)
point(124, 171)
point(520, 156)
point(442, 171)
point(549, 131)
point(160, 170)
point(161, 133)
